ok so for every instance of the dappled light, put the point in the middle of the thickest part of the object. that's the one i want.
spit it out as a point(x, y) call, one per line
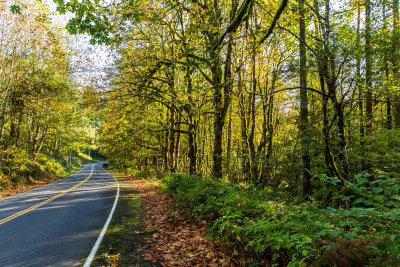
point(63, 230)
point(244, 133)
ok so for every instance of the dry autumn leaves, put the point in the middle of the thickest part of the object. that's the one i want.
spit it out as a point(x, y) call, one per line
point(176, 240)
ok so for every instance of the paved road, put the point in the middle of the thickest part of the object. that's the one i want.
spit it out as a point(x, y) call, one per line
point(56, 224)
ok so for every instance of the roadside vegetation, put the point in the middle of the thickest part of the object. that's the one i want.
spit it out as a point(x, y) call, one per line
point(45, 130)
point(275, 122)
point(361, 229)
point(286, 143)
point(22, 174)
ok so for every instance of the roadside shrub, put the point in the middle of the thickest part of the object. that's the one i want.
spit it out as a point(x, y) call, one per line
point(18, 167)
point(271, 229)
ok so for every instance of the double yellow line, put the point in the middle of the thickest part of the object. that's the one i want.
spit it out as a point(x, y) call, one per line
point(9, 218)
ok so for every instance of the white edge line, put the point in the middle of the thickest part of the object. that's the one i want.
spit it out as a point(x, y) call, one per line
point(92, 254)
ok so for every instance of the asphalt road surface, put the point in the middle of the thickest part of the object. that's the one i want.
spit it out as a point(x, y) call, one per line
point(56, 224)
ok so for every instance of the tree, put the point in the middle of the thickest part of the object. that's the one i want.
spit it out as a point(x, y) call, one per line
point(303, 119)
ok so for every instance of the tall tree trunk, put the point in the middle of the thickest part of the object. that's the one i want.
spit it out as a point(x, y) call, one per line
point(222, 92)
point(322, 74)
point(303, 119)
point(388, 123)
point(229, 141)
point(3, 125)
point(264, 126)
point(228, 82)
point(243, 127)
point(218, 117)
point(177, 145)
point(326, 132)
point(388, 111)
point(18, 129)
point(191, 126)
point(172, 139)
point(252, 112)
point(360, 93)
point(270, 124)
point(342, 141)
point(203, 154)
point(165, 148)
point(267, 127)
point(329, 69)
point(36, 153)
point(36, 138)
point(395, 58)
point(368, 69)
point(192, 149)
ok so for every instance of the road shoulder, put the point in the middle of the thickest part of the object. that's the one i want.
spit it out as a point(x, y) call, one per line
point(149, 230)
point(124, 240)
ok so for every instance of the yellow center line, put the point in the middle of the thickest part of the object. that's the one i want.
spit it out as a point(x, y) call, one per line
point(9, 218)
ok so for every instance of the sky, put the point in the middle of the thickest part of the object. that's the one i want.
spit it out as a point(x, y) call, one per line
point(90, 63)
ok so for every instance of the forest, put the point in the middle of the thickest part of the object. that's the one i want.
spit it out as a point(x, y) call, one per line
point(277, 122)
point(42, 122)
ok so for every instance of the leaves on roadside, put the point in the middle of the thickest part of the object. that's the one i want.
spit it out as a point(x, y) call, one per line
point(178, 241)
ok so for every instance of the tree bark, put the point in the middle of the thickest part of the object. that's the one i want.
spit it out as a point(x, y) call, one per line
point(395, 58)
point(218, 117)
point(172, 139)
point(368, 69)
point(229, 141)
point(329, 73)
point(252, 112)
point(360, 94)
point(222, 92)
point(303, 119)
point(388, 123)
point(177, 145)
point(191, 126)
point(243, 127)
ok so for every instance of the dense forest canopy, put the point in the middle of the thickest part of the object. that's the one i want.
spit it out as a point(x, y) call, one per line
point(41, 115)
point(261, 92)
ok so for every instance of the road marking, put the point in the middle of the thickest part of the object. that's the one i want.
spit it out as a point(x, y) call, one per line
point(41, 187)
point(9, 218)
point(92, 253)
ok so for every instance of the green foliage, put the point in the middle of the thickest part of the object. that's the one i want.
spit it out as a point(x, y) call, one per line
point(15, 9)
point(266, 226)
point(383, 152)
point(40, 112)
point(99, 18)
point(19, 169)
point(381, 192)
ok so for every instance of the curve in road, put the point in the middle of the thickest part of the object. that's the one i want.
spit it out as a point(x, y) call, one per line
point(56, 224)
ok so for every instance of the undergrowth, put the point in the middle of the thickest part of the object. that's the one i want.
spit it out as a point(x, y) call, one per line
point(361, 230)
point(17, 167)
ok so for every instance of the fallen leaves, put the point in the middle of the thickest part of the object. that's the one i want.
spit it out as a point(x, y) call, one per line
point(176, 240)
point(20, 188)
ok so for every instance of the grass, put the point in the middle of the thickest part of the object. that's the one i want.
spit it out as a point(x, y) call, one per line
point(63, 169)
point(124, 237)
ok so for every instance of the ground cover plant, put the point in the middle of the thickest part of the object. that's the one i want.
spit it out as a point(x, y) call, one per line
point(19, 172)
point(363, 230)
